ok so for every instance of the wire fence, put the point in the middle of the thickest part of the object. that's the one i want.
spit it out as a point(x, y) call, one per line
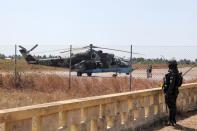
point(26, 84)
point(149, 64)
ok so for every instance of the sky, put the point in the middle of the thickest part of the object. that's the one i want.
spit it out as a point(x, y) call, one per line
point(151, 26)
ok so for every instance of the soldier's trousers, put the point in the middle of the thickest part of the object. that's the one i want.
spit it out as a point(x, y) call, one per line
point(171, 103)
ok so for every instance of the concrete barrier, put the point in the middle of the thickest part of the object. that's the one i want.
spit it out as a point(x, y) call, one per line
point(113, 112)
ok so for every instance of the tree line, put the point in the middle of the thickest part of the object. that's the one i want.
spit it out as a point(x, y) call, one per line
point(140, 60)
point(2, 56)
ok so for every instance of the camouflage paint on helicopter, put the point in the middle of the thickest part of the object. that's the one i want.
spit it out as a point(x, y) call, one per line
point(89, 62)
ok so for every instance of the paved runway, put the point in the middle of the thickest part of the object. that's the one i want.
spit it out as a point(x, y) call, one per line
point(157, 74)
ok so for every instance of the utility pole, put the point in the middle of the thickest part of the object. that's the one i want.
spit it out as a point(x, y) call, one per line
point(15, 62)
point(130, 80)
point(70, 63)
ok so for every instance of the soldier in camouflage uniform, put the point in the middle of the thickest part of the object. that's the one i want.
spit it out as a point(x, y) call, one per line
point(172, 80)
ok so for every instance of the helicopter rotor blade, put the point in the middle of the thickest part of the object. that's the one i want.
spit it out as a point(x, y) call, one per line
point(119, 50)
point(73, 50)
point(65, 51)
point(85, 47)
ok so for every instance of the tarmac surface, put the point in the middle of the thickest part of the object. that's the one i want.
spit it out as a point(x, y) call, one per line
point(157, 74)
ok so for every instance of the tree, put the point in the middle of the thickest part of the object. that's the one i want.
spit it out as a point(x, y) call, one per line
point(44, 56)
point(2, 56)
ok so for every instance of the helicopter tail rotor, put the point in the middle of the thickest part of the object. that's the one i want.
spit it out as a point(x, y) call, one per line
point(25, 53)
point(33, 48)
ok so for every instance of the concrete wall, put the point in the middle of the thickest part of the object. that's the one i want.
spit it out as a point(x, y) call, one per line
point(113, 112)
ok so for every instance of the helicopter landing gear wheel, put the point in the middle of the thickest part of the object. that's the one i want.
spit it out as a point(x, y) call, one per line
point(114, 75)
point(79, 74)
point(89, 74)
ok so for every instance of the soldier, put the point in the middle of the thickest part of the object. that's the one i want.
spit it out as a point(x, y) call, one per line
point(149, 71)
point(172, 80)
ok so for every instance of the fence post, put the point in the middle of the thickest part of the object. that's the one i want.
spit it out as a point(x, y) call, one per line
point(70, 64)
point(15, 62)
point(1, 80)
point(131, 70)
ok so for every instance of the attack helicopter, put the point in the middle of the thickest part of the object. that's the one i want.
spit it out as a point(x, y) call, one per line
point(90, 61)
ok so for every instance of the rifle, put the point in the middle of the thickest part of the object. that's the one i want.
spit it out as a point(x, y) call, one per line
point(188, 70)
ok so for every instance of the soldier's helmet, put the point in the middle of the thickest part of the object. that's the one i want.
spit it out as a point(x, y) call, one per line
point(172, 64)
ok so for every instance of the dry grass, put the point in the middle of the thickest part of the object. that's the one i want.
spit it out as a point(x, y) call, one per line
point(34, 89)
point(38, 88)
